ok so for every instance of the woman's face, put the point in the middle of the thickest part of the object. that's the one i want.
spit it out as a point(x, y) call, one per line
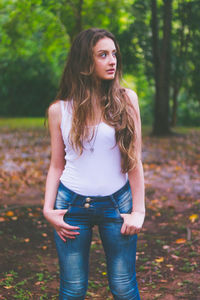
point(105, 61)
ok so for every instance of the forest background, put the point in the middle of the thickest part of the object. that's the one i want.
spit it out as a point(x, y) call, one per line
point(159, 41)
point(160, 45)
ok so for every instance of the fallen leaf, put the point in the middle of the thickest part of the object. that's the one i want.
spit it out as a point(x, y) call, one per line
point(180, 241)
point(175, 257)
point(27, 240)
point(158, 214)
point(193, 218)
point(154, 201)
point(10, 213)
point(166, 247)
point(159, 260)
point(179, 283)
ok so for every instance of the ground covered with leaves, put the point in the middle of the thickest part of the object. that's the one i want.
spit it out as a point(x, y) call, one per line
point(168, 253)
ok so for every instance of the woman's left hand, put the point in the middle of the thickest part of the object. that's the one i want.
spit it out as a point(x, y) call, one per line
point(132, 223)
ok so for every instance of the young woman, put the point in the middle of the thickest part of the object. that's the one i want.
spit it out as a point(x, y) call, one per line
point(95, 175)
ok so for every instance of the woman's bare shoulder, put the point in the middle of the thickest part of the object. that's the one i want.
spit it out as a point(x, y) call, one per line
point(131, 94)
point(54, 107)
point(54, 111)
point(133, 98)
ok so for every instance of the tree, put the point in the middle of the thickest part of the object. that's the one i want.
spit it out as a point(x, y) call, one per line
point(170, 55)
point(76, 15)
point(35, 38)
point(162, 64)
point(151, 36)
point(32, 47)
point(185, 53)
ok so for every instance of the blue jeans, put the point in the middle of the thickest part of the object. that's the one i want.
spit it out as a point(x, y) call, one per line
point(120, 250)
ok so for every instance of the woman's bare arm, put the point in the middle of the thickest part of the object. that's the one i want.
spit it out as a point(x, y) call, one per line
point(57, 156)
point(55, 217)
point(133, 222)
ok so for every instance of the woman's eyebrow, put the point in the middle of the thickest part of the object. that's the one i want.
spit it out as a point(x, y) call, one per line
point(101, 50)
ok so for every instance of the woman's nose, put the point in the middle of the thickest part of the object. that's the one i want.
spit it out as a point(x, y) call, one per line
point(112, 60)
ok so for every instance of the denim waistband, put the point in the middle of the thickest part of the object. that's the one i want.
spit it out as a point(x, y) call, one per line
point(116, 194)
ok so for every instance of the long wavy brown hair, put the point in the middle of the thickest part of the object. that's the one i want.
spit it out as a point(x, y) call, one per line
point(79, 83)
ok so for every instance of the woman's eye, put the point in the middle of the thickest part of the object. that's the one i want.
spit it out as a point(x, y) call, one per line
point(104, 54)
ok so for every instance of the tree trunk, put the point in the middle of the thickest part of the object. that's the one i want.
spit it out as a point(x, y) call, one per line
point(79, 16)
point(76, 26)
point(78, 20)
point(175, 105)
point(162, 62)
point(180, 68)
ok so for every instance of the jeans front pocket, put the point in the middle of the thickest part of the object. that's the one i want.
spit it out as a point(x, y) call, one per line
point(124, 202)
point(63, 198)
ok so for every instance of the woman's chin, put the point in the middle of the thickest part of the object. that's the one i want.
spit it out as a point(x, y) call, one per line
point(109, 77)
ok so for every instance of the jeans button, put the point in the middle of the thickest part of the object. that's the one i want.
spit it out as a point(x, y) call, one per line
point(86, 205)
point(88, 199)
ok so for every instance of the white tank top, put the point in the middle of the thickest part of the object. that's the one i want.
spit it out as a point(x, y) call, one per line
point(96, 173)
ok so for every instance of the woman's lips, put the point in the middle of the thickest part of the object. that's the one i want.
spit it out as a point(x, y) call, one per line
point(110, 71)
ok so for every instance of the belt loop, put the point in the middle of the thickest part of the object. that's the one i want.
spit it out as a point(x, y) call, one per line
point(114, 201)
point(74, 195)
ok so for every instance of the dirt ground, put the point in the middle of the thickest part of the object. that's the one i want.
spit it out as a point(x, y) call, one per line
point(168, 247)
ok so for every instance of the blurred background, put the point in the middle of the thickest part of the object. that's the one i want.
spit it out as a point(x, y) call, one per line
point(159, 41)
point(160, 45)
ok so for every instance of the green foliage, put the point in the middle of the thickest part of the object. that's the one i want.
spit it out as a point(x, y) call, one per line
point(145, 95)
point(26, 90)
point(30, 63)
point(21, 123)
point(36, 35)
point(188, 113)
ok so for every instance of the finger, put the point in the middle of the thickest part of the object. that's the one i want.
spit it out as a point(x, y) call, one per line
point(65, 236)
point(61, 236)
point(130, 230)
point(133, 231)
point(123, 228)
point(70, 237)
point(67, 232)
point(70, 227)
point(127, 231)
point(61, 211)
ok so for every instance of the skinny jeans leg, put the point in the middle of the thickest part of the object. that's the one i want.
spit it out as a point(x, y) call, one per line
point(73, 260)
point(120, 251)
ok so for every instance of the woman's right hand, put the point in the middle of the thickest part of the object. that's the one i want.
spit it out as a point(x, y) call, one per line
point(64, 230)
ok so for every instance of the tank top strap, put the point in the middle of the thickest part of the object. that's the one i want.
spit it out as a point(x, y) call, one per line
point(62, 104)
point(66, 114)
